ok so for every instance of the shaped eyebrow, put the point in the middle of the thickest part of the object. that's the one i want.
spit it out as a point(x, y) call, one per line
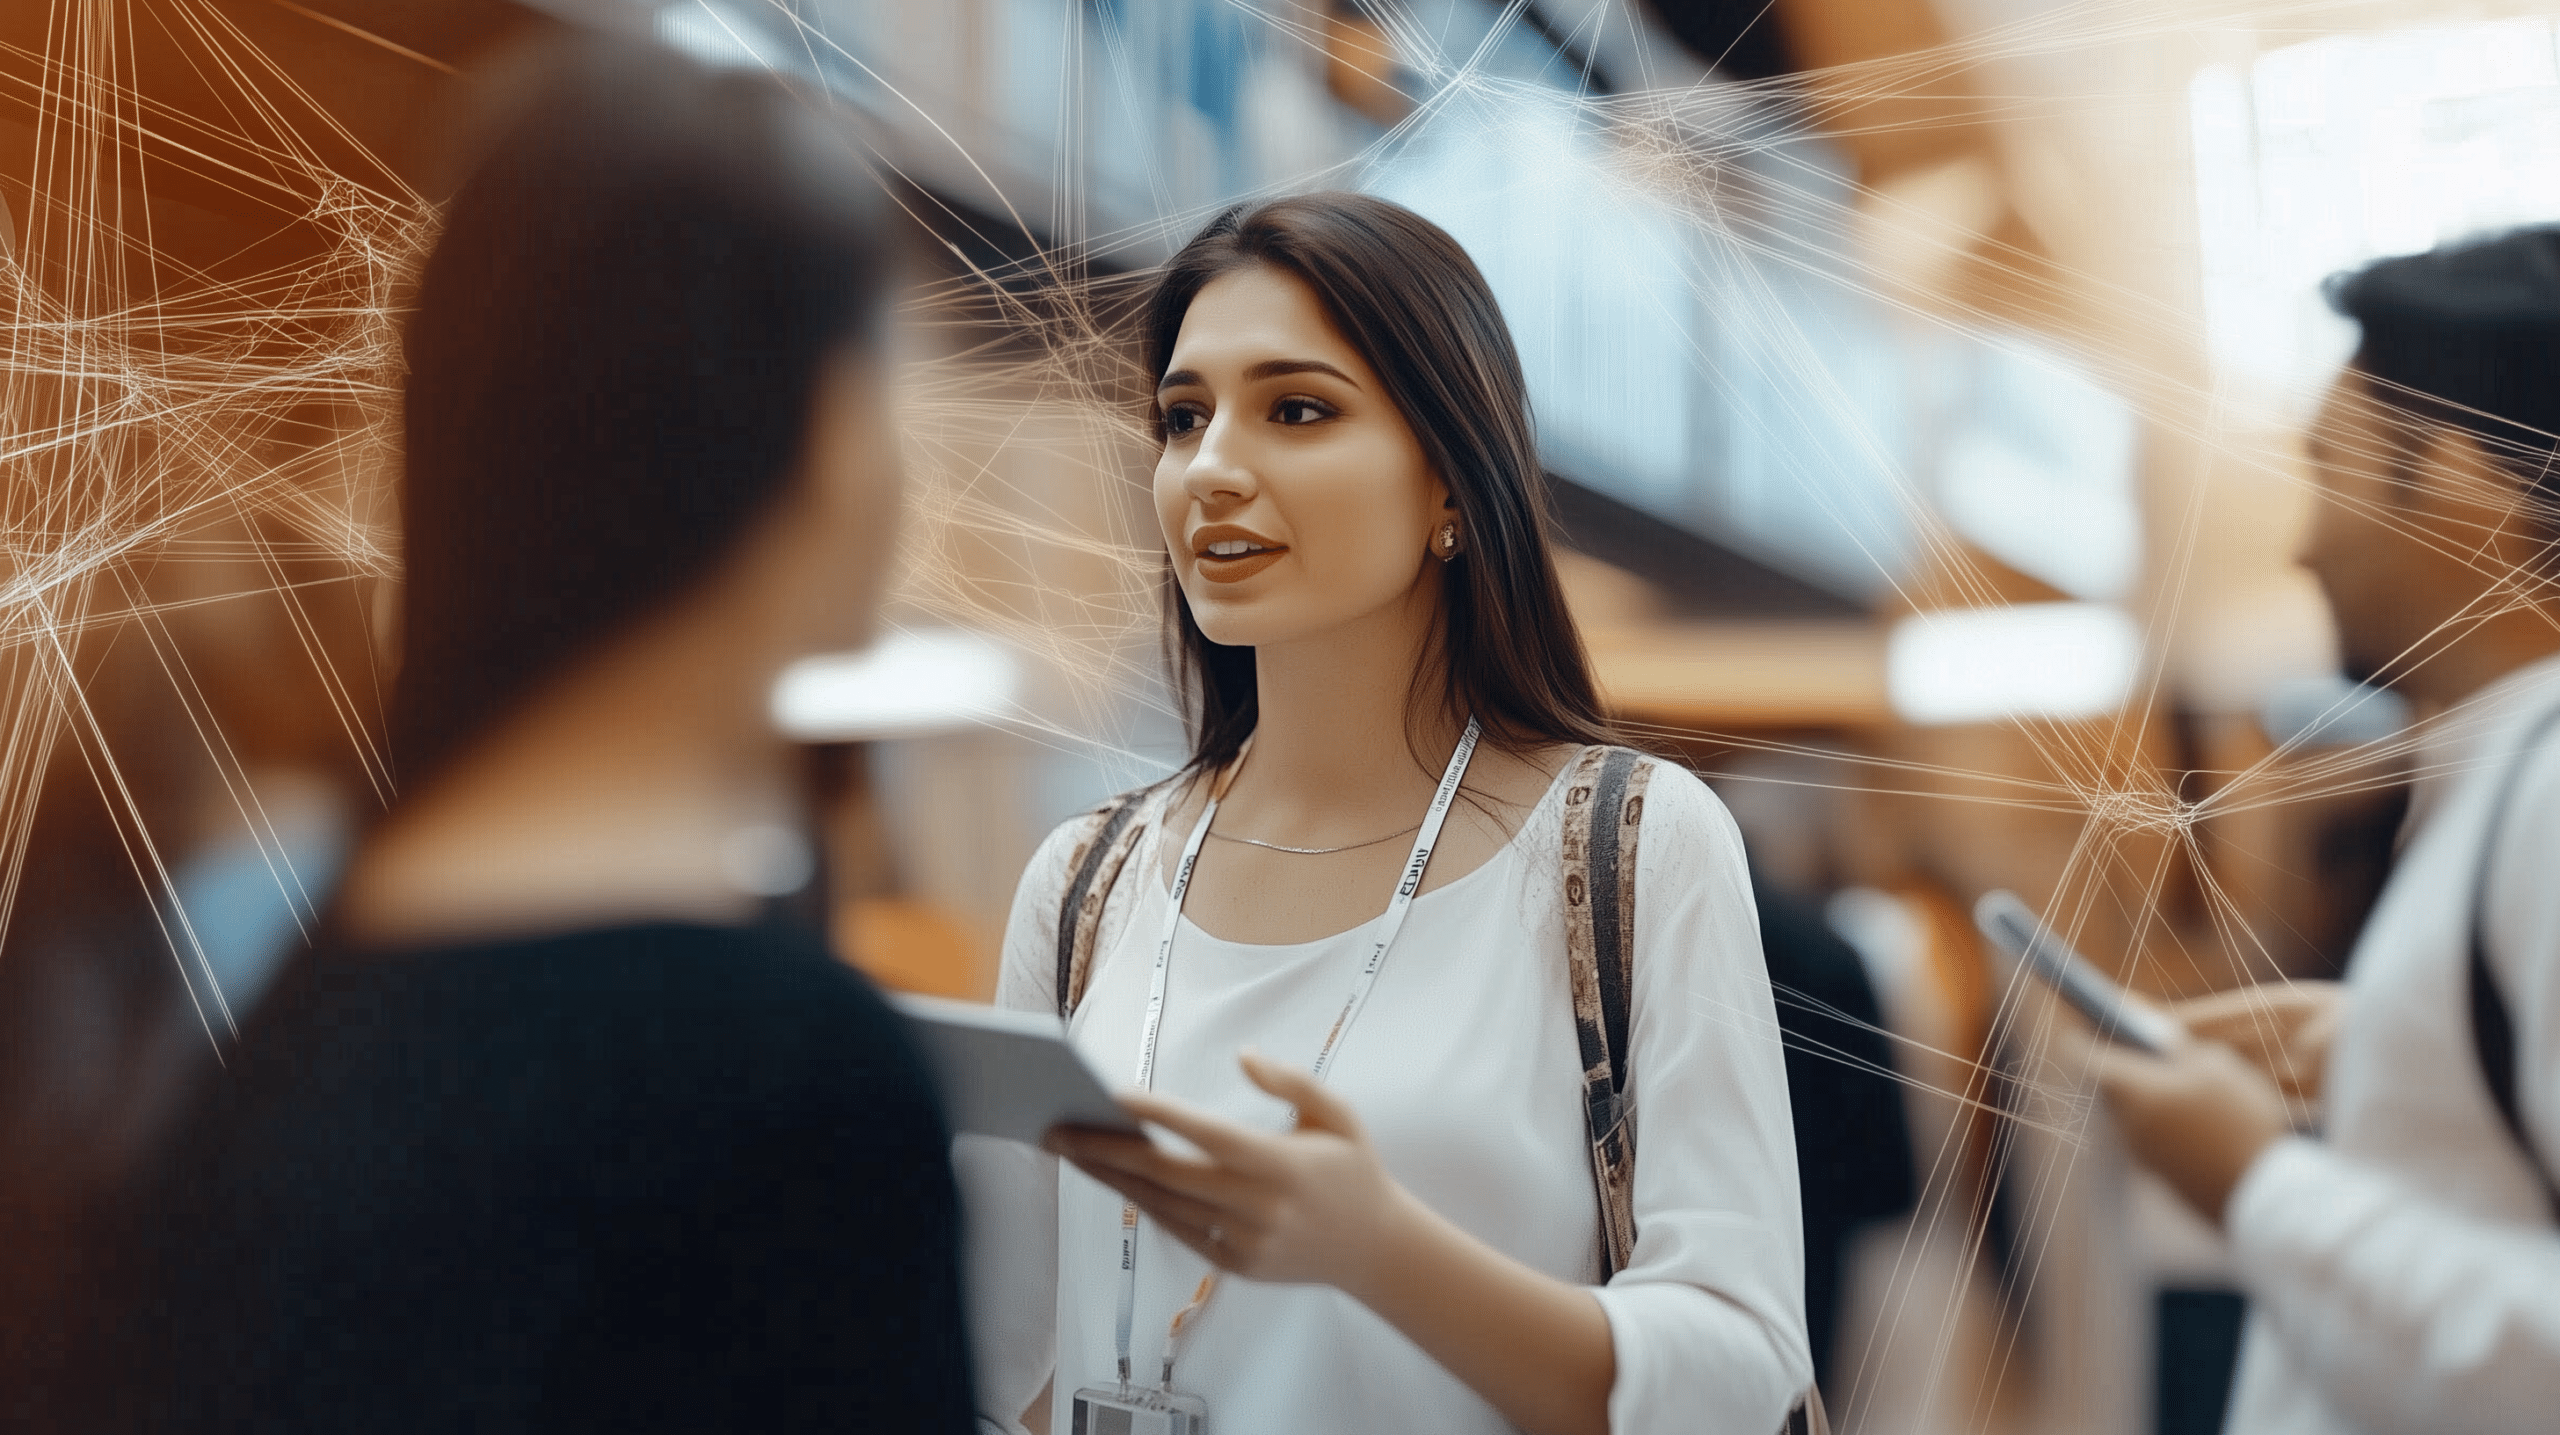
point(1267, 369)
point(1281, 368)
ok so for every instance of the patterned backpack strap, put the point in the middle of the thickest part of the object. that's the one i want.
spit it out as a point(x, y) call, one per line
point(1604, 804)
point(1110, 834)
point(1604, 812)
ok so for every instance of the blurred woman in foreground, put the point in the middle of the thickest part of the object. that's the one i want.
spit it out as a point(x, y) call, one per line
point(561, 1129)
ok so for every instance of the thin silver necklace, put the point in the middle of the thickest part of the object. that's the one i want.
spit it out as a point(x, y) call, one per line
point(1317, 851)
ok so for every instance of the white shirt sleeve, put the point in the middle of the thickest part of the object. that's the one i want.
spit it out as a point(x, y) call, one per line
point(1009, 1191)
point(2410, 1316)
point(2409, 1313)
point(1708, 1317)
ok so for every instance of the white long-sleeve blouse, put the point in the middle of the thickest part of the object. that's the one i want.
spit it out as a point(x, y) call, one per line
point(2404, 1273)
point(1465, 1068)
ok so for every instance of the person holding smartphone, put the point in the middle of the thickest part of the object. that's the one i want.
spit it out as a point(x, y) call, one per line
point(2403, 1269)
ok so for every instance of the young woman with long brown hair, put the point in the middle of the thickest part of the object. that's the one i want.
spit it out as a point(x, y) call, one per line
point(1389, 705)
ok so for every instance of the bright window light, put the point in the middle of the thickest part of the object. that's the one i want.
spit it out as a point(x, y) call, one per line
point(717, 36)
point(2326, 155)
point(2039, 471)
point(905, 685)
point(2037, 660)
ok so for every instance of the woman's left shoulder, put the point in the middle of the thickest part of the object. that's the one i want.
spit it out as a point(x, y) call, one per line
point(1695, 912)
point(1680, 825)
point(1686, 842)
point(1678, 807)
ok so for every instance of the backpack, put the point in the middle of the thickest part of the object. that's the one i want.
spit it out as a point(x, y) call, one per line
point(1603, 814)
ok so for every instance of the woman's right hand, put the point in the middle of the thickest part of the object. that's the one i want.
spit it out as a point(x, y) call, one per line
point(1314, 1204)
point(2283, 1028)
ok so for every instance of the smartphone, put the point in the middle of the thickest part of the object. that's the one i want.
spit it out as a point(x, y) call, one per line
point(2012, 927)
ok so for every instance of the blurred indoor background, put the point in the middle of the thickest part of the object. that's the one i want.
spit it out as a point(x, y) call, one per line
point(1920, 379)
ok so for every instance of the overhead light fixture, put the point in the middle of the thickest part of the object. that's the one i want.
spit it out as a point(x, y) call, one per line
point(2058, 661)
point(909, 684)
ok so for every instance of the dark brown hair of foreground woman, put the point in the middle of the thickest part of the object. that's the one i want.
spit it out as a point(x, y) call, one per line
point(612, 362)
point(557, 1132)
point(1411, 301)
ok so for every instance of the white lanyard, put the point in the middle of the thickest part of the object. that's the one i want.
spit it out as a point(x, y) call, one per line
point(1389, 925)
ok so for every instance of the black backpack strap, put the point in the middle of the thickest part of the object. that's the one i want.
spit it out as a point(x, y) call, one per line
point(1604, 807)
point(2493, 1033)
point(1110, 834)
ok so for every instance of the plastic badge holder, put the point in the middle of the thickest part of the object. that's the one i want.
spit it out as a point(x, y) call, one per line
point(2011, 925)
point(1136, 1411)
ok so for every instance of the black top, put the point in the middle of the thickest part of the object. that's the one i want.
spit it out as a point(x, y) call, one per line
point(1853, 1141)
point(654, 1178)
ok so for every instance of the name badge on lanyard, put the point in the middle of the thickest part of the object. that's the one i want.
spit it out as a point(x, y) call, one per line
point(1131, 1409)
